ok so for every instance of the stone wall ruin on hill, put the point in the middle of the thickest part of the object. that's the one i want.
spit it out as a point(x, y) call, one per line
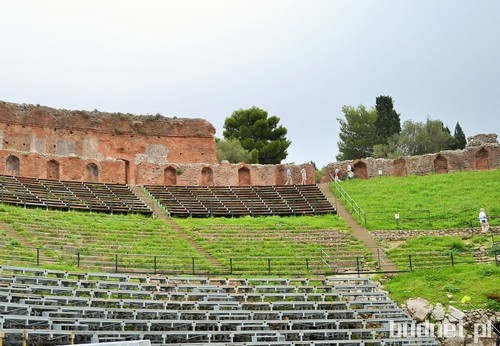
point(481, 153)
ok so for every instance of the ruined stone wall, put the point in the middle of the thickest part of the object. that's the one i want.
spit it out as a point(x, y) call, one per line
point(73, 139)
point(42, 142)
point(482, 153)
point(223, 174)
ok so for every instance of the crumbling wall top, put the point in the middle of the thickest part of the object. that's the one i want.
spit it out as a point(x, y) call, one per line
point(482, 139)
point(112, 123)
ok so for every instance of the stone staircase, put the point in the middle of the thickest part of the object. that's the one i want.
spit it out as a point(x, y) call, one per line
point(160, 212)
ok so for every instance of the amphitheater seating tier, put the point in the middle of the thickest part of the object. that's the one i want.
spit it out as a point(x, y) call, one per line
point(70, 195)
point(181, 201)
point(53, 307)
point(229, 201)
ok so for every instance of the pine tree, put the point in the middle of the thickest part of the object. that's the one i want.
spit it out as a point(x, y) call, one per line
point(459, 136)
point(388, 122)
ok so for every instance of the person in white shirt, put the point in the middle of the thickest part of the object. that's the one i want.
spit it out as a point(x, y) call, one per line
point(483, 220)
point(303, 175)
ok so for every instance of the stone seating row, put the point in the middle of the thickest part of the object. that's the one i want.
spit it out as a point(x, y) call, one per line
point(66, 195)
point(226, 201)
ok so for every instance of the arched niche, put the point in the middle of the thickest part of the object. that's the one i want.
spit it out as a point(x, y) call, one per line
point(440, 164)
point(360, 170)
point(207, 176)
point(482, 159)
point(53, 170)
point(92, 173)
point(244, 178)
point(12, 166)
point(399, 167)
point(170, 176)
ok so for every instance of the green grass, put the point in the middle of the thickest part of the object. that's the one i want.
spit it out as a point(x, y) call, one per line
point(437, 201)
point(477, 282)
point(293, 239)
point(97, 237)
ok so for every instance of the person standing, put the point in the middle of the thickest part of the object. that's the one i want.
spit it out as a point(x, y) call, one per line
point(303, 174)
point(337, 175)
point(350, 172)
point(289, 180)
point(483, 220)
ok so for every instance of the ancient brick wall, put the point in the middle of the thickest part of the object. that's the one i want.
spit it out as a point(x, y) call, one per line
point(483, 152)
point(73, 139)
point(222, 174)
point(43, 142)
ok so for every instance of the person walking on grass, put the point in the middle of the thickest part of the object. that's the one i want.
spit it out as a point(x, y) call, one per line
point(483, 220)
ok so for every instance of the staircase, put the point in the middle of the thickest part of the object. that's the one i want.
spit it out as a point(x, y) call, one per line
point(159, 212)
point(359, 231)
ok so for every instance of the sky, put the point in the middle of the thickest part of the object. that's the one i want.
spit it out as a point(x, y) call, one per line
point(300, 60)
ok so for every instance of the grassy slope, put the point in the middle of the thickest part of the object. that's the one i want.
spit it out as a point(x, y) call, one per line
point(477, 282)
point(451, 200)
point(60, 233)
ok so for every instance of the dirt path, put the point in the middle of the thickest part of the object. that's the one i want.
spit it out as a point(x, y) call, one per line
point(359, 231)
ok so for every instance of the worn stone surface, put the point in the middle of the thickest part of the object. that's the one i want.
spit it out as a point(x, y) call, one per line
point(482, 139)
point(454, 314)
point(419, 308)
point(438, 312)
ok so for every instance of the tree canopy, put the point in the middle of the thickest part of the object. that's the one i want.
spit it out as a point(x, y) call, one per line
point(232, 151)
point(357, 133)
point(388, 122)
point(459, 135)
point(377, 132)
point(259, 134)
point(417, 138)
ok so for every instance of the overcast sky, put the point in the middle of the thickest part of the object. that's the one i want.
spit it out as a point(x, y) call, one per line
point(299, 60)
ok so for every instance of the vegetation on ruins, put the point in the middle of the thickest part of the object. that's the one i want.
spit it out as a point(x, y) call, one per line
point(259, 134)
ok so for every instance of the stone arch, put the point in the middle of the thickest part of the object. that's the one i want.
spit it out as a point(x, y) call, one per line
point(244, 178)
point(360, 170)
point(399, 167)
point(482, 159)
point(170, 176)
point(53, 169)
point(440, 164)
point(13, 165)
point(207, 176)
point(92, 173)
